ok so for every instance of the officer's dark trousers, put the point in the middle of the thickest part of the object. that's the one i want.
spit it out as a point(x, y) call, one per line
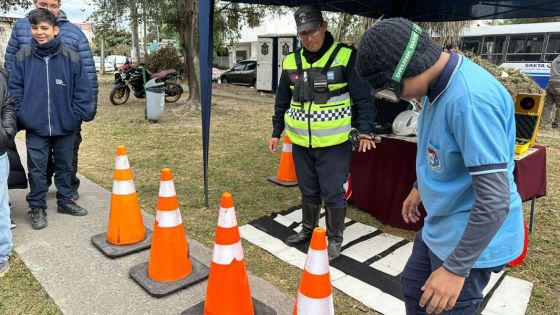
point(322, 172)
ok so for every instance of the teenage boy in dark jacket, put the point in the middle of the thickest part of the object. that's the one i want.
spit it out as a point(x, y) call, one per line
point(52, 94)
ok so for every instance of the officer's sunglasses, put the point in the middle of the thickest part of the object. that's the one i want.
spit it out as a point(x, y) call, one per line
point(392, 89)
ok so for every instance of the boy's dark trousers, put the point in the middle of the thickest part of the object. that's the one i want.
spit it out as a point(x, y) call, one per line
point(422, 263)
point(38, 148)
point(50, 166)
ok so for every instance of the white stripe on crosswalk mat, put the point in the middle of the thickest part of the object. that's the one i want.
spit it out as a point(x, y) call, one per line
point(355, 231)
point(371, 247)
point(511, 297)
point(394, 263)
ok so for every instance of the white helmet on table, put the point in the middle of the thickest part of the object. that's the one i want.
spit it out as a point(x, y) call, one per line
point(406, 123)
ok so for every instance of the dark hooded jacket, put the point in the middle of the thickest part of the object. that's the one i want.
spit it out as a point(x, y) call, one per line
point(71, 35)
point(17, 178)
point(50, 89)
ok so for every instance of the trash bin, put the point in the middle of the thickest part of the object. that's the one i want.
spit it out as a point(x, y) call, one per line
point(155, 100)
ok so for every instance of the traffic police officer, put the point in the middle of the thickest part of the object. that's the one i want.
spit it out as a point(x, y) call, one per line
point(317, 95)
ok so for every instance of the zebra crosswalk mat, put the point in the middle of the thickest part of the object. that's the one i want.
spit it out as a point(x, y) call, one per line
point(371, 262)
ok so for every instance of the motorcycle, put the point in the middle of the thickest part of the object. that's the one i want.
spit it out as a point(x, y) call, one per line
point(130, 76)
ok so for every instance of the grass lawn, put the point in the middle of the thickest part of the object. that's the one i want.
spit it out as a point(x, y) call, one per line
point(239, 162)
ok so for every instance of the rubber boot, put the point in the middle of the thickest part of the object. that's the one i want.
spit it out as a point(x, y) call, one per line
point(335, 228)
point(310, 218)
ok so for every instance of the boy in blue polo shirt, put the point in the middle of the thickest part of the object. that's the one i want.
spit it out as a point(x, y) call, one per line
point(52, 94)
point(464, 166)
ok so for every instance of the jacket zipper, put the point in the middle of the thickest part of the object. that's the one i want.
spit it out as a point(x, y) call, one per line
point(48, 96)
point(309, 111)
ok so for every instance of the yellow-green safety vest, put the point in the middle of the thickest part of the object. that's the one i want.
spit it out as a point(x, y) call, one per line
point(323, 117)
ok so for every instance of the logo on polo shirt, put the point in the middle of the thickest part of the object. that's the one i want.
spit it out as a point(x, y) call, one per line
point(59, 82)
point(433, 159)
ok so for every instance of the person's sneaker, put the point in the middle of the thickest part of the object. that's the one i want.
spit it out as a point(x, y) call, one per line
point(75, 195)
point(4, 267)
point(38, 218)
point(12, 224)
point(71, 208)
point(555, 126)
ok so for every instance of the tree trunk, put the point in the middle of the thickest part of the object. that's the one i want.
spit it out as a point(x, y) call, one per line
point(102, 61)
point(145, 48)
point(343, 27)
point(188, 31)
point(134, 29)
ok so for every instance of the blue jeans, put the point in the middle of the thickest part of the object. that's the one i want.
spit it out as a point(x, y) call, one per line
point(422, 263)
point(38, 148)
point(5, 232)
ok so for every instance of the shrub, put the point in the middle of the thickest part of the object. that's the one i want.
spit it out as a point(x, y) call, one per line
point(165, 58)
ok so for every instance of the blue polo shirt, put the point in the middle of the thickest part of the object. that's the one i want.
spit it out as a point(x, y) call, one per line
point(466, 128)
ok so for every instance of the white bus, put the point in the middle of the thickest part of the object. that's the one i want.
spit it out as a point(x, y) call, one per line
point(527, 47)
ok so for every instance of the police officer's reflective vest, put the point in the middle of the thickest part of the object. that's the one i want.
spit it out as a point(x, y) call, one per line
point(319, 113)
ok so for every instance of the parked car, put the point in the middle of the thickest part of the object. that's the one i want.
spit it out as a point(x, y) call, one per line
point(116, 60)
point(108, 66)
point(216, 73)
point(244, 72)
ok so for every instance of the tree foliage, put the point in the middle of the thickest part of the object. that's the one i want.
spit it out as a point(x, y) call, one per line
point(117, 42)
point(350, 28)
point(531, 20)
point(7, 5)
point(230, 18)
point(181, 17)
point(164, 58)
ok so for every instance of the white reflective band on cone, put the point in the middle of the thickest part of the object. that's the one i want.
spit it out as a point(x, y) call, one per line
point(225, 254)
point(307, 305)
point(317, 262)
point(168, 219)
point(167, 189)
point(121, 162)
point(123, 187)
point(227, 218)
point(286, 147)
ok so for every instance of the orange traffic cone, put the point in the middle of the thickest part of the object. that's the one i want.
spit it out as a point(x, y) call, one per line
point(169, 258)
point(170, 268)
point(286, 175)
point(126, 232)
point(125, 220)
point(315, 293)
point(228, 286)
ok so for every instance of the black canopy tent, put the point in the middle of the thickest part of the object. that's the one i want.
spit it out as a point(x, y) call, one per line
point(416, 10)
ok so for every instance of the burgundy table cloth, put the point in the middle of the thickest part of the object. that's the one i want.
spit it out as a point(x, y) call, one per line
point(383, 177)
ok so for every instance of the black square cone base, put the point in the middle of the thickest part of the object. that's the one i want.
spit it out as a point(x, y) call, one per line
point(158, 289)
point(259, 307)
point(282, 183)
point(114, 251)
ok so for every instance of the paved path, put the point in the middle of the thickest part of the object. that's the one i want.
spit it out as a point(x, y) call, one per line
point(81, 280)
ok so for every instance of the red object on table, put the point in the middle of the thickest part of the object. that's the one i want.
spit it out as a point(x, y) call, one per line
point(383, 177)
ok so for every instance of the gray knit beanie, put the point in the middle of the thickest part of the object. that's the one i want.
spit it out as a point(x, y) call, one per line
point(381, 49)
